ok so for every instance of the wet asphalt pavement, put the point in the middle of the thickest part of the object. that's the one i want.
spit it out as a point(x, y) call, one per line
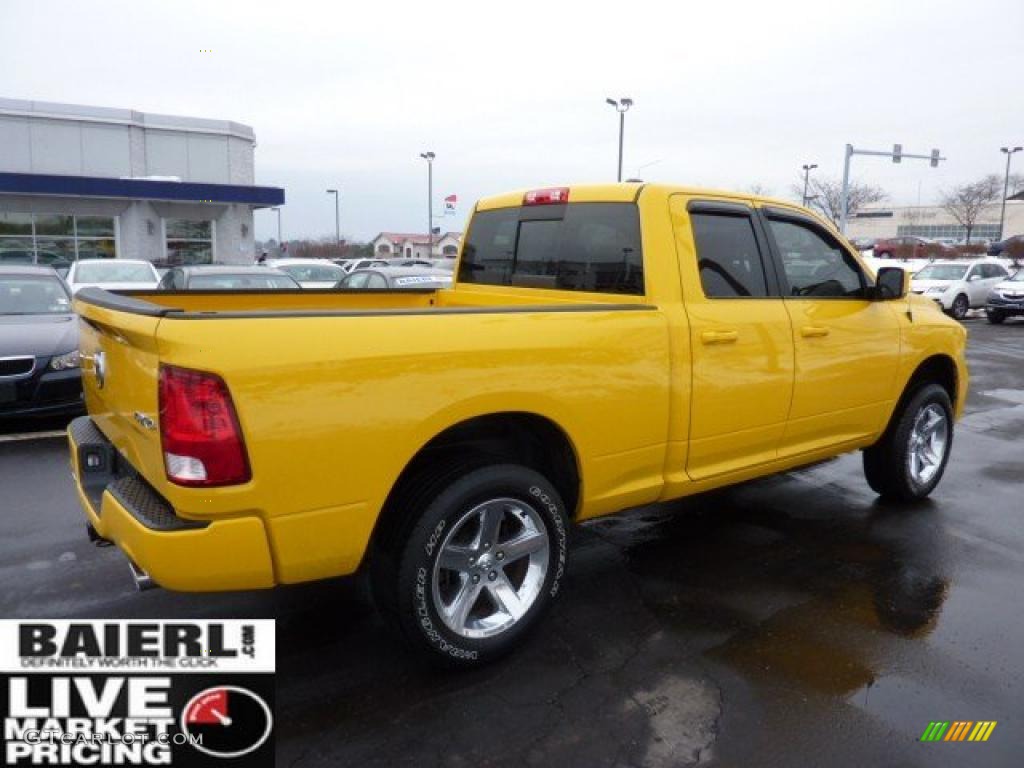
point(790, 621)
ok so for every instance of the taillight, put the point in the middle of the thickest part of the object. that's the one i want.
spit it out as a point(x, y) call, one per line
point(202, 440)
point(550, 196)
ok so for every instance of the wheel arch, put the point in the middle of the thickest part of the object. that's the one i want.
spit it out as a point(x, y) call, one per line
point(938, 369)
point(521, 437)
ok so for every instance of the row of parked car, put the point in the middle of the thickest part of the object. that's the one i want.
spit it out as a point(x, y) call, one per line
point(914, 247)
point(273, 274)
point(960, 285)
point(39, 359)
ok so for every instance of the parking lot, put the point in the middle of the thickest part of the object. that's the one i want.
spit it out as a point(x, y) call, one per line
point(779, 622)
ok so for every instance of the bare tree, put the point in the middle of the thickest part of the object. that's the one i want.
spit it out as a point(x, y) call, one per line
point(967, 202)
point(757, 188)
point(1016, 184)
point(825, 196)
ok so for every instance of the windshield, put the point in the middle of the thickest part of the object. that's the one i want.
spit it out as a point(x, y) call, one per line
point(1018, 277)
point(114, 272)
point(313, 273)
point(240, 282)
point(33, 295)
point(942, 272)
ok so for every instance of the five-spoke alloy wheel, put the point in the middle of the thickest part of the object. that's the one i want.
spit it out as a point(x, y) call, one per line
point(908, 461)
point(482, 555)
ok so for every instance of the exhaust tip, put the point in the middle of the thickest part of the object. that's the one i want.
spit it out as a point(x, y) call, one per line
point(143, 581)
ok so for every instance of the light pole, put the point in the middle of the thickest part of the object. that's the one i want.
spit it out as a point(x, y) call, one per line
point(622, 107)
point(429, 157)
point(1006, 185)
point(337, 216)
point(807, 173)
point(278, 224)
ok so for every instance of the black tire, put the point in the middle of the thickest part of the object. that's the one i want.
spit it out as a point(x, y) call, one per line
point(407, 582)
point(995, 316)
point(887, 464)
point(959, 307)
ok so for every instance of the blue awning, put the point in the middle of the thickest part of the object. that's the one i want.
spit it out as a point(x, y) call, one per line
point(138, 189)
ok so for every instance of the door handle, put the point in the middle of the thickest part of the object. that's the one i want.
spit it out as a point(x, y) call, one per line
point(719, 337)
point(810, 331)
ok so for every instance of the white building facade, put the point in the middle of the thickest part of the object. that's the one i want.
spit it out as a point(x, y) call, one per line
point(93, 182)
point(413, 246)
point(879, 221)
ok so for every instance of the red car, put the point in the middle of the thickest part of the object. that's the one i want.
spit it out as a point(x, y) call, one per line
point(911, 247)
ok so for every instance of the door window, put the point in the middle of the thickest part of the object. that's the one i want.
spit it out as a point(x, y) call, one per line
point(814, 263)
point(728, 257)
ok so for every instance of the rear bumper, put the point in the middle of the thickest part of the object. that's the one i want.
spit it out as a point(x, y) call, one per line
point(178, 554)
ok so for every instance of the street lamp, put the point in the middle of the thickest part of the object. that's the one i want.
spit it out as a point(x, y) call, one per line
point(337, 216)
point(429, 157)
point(807, 173)
point(1006, 185)
point(278, 224)
point(622, 107)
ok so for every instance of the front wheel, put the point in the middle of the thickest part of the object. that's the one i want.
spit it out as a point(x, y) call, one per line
point(959, 307)
point(995, 316)
point(909, 460)
point(475, 572)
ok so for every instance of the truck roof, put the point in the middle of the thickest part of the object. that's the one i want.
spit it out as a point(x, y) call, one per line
point(619, 192)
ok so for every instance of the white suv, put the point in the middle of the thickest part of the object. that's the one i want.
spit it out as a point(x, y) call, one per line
point(959, 285)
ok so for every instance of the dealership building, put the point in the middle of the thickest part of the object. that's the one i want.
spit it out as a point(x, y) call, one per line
point(93, 182)
point(933, 221)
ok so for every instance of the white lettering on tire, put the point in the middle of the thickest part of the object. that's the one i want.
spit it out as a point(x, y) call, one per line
point(559, 524)
point(427, 624)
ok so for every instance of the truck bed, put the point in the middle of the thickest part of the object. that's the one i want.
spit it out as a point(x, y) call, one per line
point(336, 392)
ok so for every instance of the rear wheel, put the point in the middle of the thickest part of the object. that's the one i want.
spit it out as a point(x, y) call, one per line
point(477, 567)
point(909, 460)
point(959, 307)
point(995, 316)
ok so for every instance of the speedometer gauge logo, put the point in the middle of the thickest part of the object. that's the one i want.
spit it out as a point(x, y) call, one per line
point(227, 721)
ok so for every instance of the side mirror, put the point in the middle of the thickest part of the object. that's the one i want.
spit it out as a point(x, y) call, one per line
point(972, 278)
point(892, 283)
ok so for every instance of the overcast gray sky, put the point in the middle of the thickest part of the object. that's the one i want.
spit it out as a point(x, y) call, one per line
point(511, 94)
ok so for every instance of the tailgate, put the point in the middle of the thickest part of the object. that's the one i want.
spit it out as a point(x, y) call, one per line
point(119, 376)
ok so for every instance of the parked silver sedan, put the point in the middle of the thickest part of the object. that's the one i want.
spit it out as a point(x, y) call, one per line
point(397, 279)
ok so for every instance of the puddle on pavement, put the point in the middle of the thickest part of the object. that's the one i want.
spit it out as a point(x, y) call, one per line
point(813, 600)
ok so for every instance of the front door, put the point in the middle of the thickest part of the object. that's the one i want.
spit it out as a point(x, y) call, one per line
point(740, 336)
point(846, 346)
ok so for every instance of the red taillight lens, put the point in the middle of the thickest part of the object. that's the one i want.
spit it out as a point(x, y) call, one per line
point(199, 429)
point(550, 196)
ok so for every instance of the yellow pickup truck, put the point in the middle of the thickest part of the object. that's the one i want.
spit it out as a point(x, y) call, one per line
point(602, 347)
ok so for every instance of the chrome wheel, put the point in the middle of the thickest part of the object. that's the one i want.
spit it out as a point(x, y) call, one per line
point(491, 568)
point(929, 440)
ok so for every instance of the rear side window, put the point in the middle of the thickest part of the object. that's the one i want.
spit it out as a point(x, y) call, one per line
point(730, 262)
point(575, 247)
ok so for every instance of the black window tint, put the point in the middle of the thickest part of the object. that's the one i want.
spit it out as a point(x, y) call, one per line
point(579, 247)
point(814, 263)
point(728, 257)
